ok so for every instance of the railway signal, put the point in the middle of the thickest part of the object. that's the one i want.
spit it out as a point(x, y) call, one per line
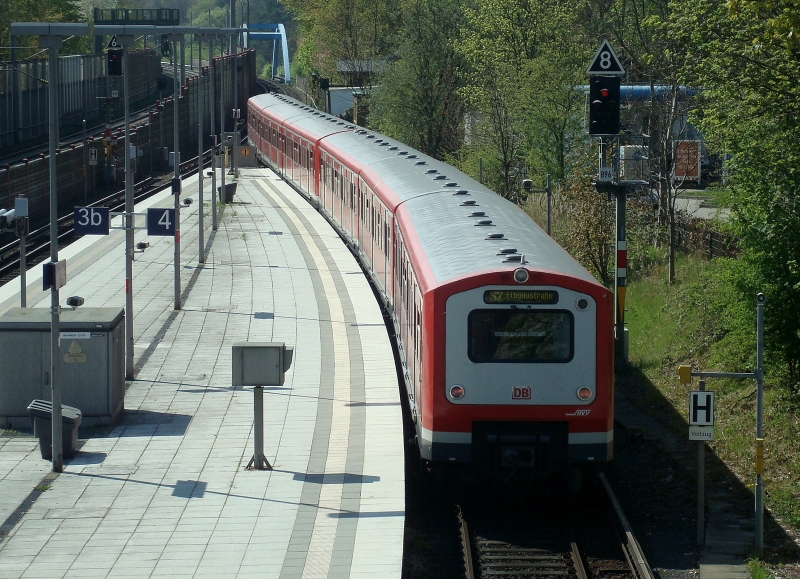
point(115, 62)
point(604, 105)
point(604, 73)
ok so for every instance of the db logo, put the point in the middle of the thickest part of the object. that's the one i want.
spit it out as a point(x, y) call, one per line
point(521, 393)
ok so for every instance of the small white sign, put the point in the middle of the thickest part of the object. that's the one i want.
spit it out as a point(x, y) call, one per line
point(701, 433)
point(93, 156)
point(74, 335)
point(701, 408)
point(605, 175)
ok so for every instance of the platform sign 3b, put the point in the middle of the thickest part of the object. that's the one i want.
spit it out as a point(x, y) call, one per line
point(92, 220)
point(161, 221)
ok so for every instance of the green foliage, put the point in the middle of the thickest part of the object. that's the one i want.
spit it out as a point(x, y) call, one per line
point(38, 11)
point(417, 101)
point(356, 31)
point(592, 230)
point(525, 62)
point(751, 110)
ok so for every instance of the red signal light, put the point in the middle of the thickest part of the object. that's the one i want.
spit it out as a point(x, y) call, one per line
point(604, 92)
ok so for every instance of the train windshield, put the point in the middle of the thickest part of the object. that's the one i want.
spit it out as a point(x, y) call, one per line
point(513, 335)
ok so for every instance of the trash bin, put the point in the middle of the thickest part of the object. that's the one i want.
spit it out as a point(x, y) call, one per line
point(41, 413)
point(230, 191)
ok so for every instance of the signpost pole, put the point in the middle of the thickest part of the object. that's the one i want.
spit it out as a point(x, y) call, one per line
point(126, 41)
point(759, 372)
point(51, 37)
point(201, 243)
point(213, 72)
point(234, 160)
point(549, 190)
point(622, 265)
point(222, 125)
point(701, 484)
point(176, 180)
point(53, 43)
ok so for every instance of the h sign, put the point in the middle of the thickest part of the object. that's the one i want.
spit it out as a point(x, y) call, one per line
point(701, 408)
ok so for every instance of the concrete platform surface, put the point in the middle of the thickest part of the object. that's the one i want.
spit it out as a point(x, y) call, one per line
point(165, 492)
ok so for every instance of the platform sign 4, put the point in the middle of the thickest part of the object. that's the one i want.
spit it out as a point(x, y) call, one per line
point(160, 221)
point(92, 220)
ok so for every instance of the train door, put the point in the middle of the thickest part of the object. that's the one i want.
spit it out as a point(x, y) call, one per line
point(337, 188)
point(274, 144)
point(282, 151)
point(418, 346)
point(370, 218)
point(350, 200)
point(387, 252)
point(316, 168)
point(326, 182)
point(304, 176)
point(380, 259)
point(362, 191)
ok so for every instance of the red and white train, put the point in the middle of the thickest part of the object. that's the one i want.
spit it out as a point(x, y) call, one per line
point(505, 340)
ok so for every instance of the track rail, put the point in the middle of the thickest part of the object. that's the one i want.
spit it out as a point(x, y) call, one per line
point(38, 243)
point(531, 547)
point(630, 546)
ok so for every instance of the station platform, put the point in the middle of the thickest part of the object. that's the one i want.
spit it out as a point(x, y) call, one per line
point(165, 492)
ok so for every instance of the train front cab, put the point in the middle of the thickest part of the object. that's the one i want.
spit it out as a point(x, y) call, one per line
point(527, 379)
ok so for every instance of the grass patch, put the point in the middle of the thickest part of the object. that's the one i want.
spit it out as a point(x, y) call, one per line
point(757, 570)
point(42, 488)
point(678, 324)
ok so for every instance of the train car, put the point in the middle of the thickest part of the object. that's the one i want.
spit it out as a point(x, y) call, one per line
point(505, 340)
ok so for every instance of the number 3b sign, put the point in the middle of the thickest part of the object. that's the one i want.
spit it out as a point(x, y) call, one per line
point(160, 221)
point(91, 220)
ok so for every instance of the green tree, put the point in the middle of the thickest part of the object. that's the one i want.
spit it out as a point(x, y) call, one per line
point(751, 111)
point(38, 11)
point(525, 66)
point(348, 36)
point(418, 101)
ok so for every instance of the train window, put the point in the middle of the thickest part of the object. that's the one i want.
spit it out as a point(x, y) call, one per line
point(502, 335)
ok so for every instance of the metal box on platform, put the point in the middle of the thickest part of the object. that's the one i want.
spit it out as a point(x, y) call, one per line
point(92, 357)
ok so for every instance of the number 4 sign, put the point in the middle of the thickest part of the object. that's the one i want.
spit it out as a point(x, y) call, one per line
point(160, 222)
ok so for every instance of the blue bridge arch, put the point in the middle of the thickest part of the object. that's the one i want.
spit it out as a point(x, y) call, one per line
point(274, 32)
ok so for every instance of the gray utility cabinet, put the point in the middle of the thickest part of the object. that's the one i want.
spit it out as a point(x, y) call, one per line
point(92, 361)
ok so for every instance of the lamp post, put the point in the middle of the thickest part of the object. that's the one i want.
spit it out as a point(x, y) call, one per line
point(201, 248)
point(51, 36)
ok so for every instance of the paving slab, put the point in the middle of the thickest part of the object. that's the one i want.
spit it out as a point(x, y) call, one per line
point(165, 491)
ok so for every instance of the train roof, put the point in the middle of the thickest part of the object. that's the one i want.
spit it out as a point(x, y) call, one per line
point(462, 226)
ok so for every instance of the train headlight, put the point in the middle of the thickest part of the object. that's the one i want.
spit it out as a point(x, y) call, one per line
point(521, 275)
point(584, 393)
point(456, 392)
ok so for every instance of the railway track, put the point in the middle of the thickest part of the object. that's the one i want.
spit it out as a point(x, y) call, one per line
point(537, 542)
point(38, 241)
